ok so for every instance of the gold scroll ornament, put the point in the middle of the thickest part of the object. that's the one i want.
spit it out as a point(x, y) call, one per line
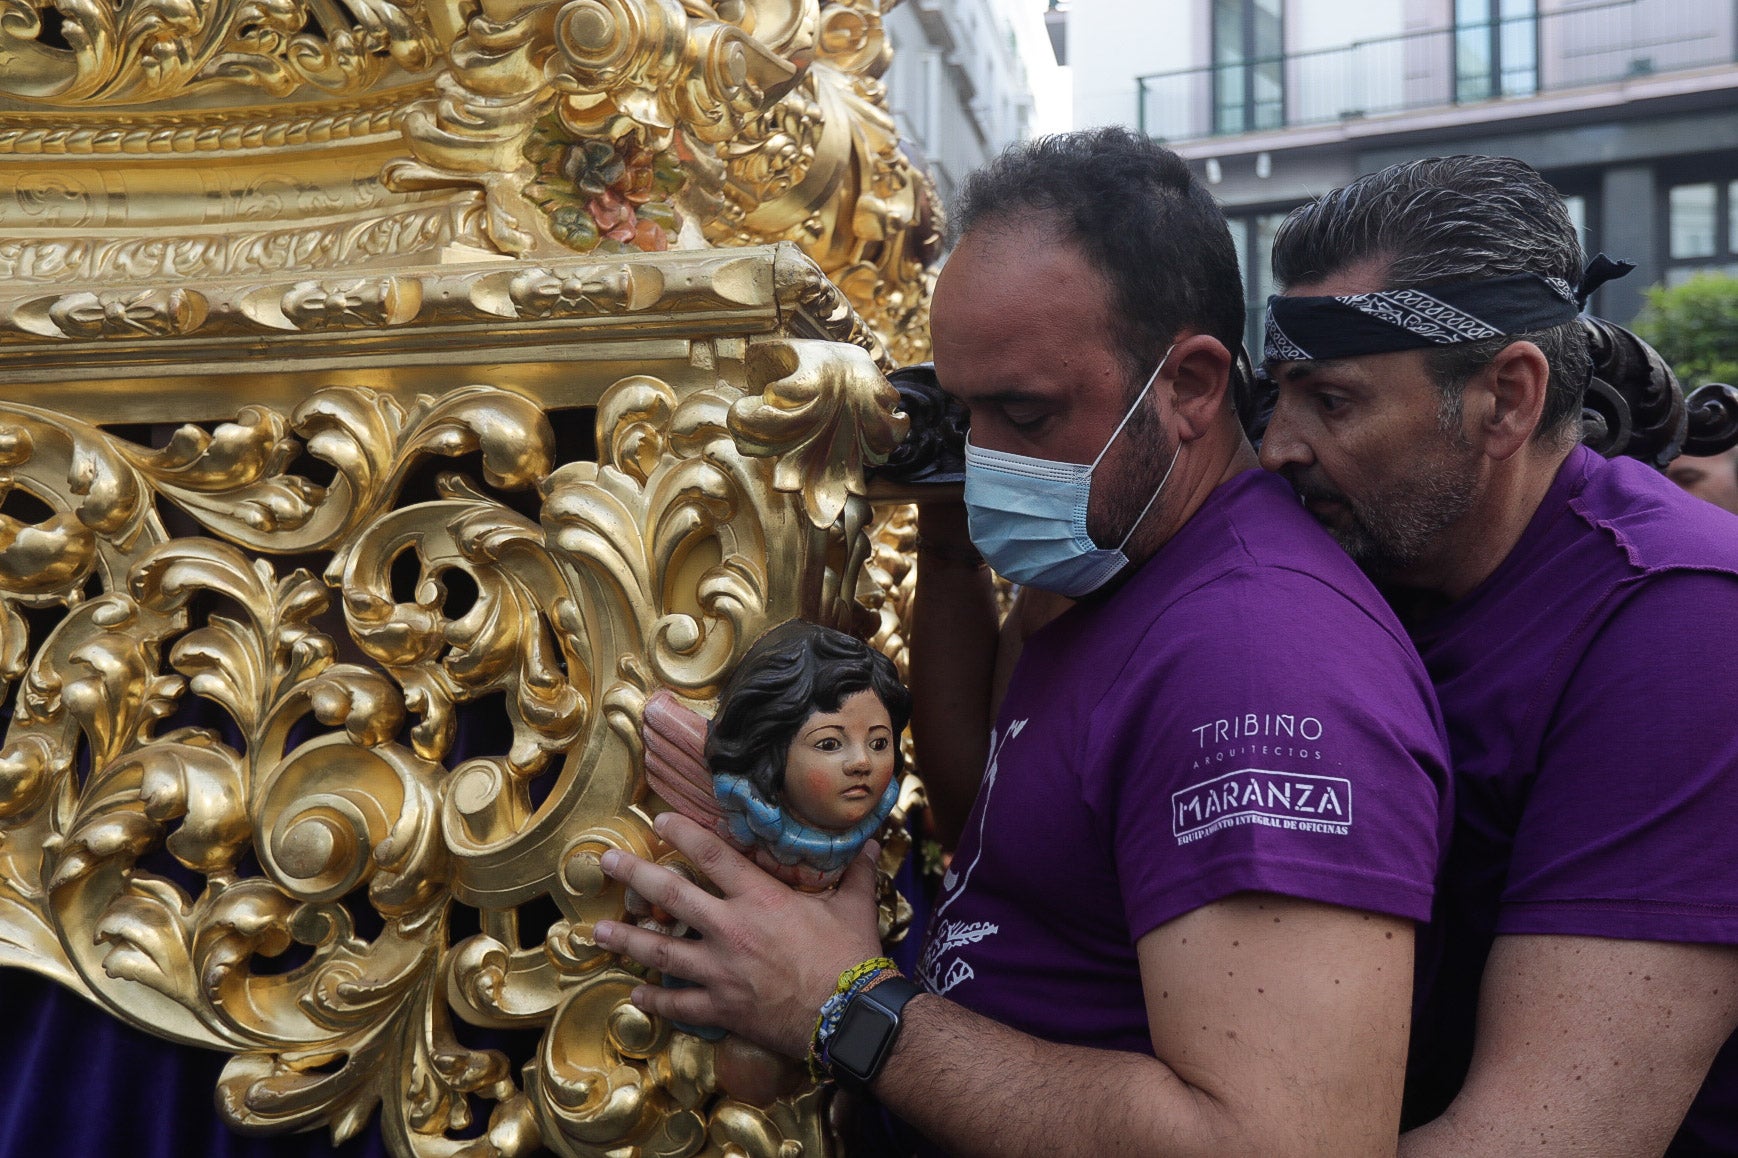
point(156, 141)
point(396, 393)
point(276, 697)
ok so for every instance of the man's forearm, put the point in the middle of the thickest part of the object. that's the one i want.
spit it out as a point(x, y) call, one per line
point(1633, 1027)
point(1281, 1025)
point(953, 657)
point(977, 1088)
point(1282, 1022)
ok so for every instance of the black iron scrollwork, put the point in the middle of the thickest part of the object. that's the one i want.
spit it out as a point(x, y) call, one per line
point(935, 450)
point(1713, 419)
point(1633, 405)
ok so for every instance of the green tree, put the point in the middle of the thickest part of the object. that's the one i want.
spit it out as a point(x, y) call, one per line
point(1694, 326)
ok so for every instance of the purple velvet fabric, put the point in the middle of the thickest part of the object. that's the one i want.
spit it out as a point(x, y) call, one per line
point(75, 1081)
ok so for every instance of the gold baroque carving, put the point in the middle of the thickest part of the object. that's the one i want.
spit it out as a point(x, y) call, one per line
point(655, 122)
point(135, 50)
point(190, 256)
point(202, 131)
point(779, 284)
point(548, 125)
point(545, 293)
point(348, 305)
point(262, 646)
point(338, 760)
point(127, 314)
point(816, 416)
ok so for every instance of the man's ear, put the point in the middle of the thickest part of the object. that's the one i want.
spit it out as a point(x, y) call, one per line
point(1506, 399)
point(1200, 372)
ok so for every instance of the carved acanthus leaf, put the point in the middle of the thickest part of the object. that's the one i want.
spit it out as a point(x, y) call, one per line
point(136, 51)
point(825, 416)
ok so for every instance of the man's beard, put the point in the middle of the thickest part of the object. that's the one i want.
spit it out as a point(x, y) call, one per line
point(1150, 457)
point(1389, 533)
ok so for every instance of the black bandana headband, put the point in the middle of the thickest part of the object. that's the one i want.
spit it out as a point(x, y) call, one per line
point(1319, 329)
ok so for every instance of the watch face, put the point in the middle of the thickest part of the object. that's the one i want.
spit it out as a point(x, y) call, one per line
point(862, 1035)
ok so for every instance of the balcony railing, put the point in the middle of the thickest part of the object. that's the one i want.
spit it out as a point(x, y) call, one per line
point(1564, 48)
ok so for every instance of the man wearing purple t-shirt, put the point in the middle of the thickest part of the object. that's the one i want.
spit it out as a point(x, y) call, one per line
point(1580, 981)
point(1181, 919)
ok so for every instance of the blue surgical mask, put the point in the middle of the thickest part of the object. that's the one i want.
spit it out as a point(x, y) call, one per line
point(1028, 515)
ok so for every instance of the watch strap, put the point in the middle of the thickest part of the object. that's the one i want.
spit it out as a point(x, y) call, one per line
point(889, 997)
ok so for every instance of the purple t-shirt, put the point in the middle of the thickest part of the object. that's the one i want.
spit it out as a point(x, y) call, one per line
point(1244, 713)
point(1596, 777)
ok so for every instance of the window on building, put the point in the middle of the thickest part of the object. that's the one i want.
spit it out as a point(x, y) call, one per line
point(1576, 204)
point(1253, 238)
point(1584, 211)
point(1496, 48)
point(1701, 229)
point(1248, 65)
point(1692, 216)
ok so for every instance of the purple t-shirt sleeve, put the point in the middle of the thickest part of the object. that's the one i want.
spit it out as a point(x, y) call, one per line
point(1269, 735)
point(1628, 829)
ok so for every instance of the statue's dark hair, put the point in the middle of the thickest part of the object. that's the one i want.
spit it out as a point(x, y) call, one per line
point(793, 671)
point(1445, 219)
point(1139, 216)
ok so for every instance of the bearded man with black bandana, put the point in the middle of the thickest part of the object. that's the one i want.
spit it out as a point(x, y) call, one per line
point(1579, 983)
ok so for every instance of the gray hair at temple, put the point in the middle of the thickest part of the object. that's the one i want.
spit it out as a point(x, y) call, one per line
point(1453, 219)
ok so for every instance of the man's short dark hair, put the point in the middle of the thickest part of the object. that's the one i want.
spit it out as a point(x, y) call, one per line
point(1446, 219)
point(1139, 216)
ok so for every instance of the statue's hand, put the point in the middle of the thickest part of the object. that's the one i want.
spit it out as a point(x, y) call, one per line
point(674, 736)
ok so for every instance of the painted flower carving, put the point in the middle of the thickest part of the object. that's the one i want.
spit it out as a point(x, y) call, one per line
point(597, 191)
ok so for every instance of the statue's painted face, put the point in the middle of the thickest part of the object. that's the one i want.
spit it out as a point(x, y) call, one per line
point(840, 763)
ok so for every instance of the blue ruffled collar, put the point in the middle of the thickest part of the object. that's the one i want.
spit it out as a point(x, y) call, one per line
point(753, 820)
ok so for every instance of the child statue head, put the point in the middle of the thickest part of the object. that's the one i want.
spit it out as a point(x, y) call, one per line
point(804, 750)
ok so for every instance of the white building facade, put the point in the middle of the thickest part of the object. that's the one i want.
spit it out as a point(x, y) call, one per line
point(960, 84)
point(1629, 106)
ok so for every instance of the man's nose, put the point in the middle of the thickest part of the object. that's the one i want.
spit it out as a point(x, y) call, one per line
point(1282, 446)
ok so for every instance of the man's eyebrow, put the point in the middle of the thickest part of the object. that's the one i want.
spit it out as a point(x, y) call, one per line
point(1307, 367)
point(1011, 395)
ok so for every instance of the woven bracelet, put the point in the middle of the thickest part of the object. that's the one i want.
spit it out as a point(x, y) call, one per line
point(852, 981)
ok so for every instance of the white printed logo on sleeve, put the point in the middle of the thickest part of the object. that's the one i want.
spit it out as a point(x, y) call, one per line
point(1290, 800)
point(1299, 801)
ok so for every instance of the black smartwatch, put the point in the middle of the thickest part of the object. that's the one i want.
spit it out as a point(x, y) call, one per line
point(867, 1031)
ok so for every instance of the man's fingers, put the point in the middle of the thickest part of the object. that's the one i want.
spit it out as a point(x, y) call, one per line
point(672, 721)
point(693, 1006)
point(732, 872)
point(681, 898)
point(666, 954)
